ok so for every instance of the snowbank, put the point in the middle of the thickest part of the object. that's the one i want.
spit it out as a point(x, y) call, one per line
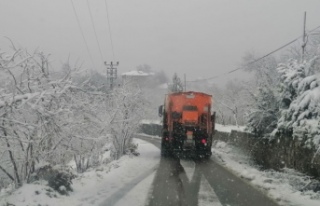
point(151, 121)
point(114, 183)
point(228, 128)
point(282, 186)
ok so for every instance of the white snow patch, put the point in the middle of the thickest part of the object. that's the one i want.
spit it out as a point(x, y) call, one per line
point(151, 121)
point(163, 86)
point(228, 128)
point(32, 194)
point(136, 73)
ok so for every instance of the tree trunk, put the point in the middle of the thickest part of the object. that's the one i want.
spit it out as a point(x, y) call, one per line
point(15, 168)
point(7, 173)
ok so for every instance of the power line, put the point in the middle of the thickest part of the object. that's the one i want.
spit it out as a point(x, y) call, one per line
point(83, 37)
point(110, 34)
point(94, 29)
point(256, 60)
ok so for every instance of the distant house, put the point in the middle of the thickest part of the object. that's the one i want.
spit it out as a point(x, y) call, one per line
point(139, 77)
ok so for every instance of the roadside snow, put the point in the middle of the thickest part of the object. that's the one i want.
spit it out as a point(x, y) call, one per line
point(147, 135)
point(228, 128)
point(108, 183)
point(282, 186)
point(151, 121)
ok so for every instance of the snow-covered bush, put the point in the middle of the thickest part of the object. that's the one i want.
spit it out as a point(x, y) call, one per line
point(61, 182)
point(132, 149)
point(59, 178)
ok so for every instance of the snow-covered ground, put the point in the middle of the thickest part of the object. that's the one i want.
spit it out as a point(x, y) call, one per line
point(128, 181)
point(282, 186)
point(129, 178)
point(148, 121)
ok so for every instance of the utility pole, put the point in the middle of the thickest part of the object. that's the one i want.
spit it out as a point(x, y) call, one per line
point(112, 73)
point(304, 43)
point(185, 82)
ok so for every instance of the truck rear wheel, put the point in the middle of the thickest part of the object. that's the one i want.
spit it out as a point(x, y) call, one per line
point(165, 151)
point(205, 154)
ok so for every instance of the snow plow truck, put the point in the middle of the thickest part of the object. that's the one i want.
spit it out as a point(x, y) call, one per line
point(188, 125)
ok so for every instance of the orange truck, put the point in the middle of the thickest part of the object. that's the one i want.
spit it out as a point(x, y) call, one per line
point(188, 124)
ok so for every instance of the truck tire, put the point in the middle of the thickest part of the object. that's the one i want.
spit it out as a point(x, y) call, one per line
point(165, 152)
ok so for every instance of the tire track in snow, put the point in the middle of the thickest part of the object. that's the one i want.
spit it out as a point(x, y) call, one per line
point(206, 195)
point(115, 197)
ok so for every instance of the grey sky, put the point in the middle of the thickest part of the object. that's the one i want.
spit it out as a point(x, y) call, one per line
point(201, 38)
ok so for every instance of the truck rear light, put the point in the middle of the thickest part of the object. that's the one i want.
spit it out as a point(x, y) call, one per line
point(166, 138)
point(203, 141)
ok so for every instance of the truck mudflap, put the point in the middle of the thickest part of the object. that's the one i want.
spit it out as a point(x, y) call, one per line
point(192, 154)
point(188, 152)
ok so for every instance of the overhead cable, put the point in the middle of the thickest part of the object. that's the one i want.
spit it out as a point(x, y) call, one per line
point(81, 31)
point(110, 33)
point(95, 32)
point(256, 60)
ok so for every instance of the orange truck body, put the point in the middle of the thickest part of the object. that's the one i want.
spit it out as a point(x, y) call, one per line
point(188, 124)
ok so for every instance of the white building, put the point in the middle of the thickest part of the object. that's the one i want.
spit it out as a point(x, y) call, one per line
point(138, 77)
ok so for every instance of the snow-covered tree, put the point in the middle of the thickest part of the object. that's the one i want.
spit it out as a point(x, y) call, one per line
point(264, 70)
point(86, 126)
point(263, 112)
point(176, 85)
point(45, 118)
point(31, 107)
point(290, 75)
point(160, 77)
point(54, 119)
point(230, 103)
point(127, 107)
point(301, 100)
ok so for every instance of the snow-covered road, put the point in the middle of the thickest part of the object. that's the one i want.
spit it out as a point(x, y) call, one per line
point(197, 182)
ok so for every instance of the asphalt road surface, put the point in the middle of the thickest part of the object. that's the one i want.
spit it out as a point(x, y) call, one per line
point(181, 182)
